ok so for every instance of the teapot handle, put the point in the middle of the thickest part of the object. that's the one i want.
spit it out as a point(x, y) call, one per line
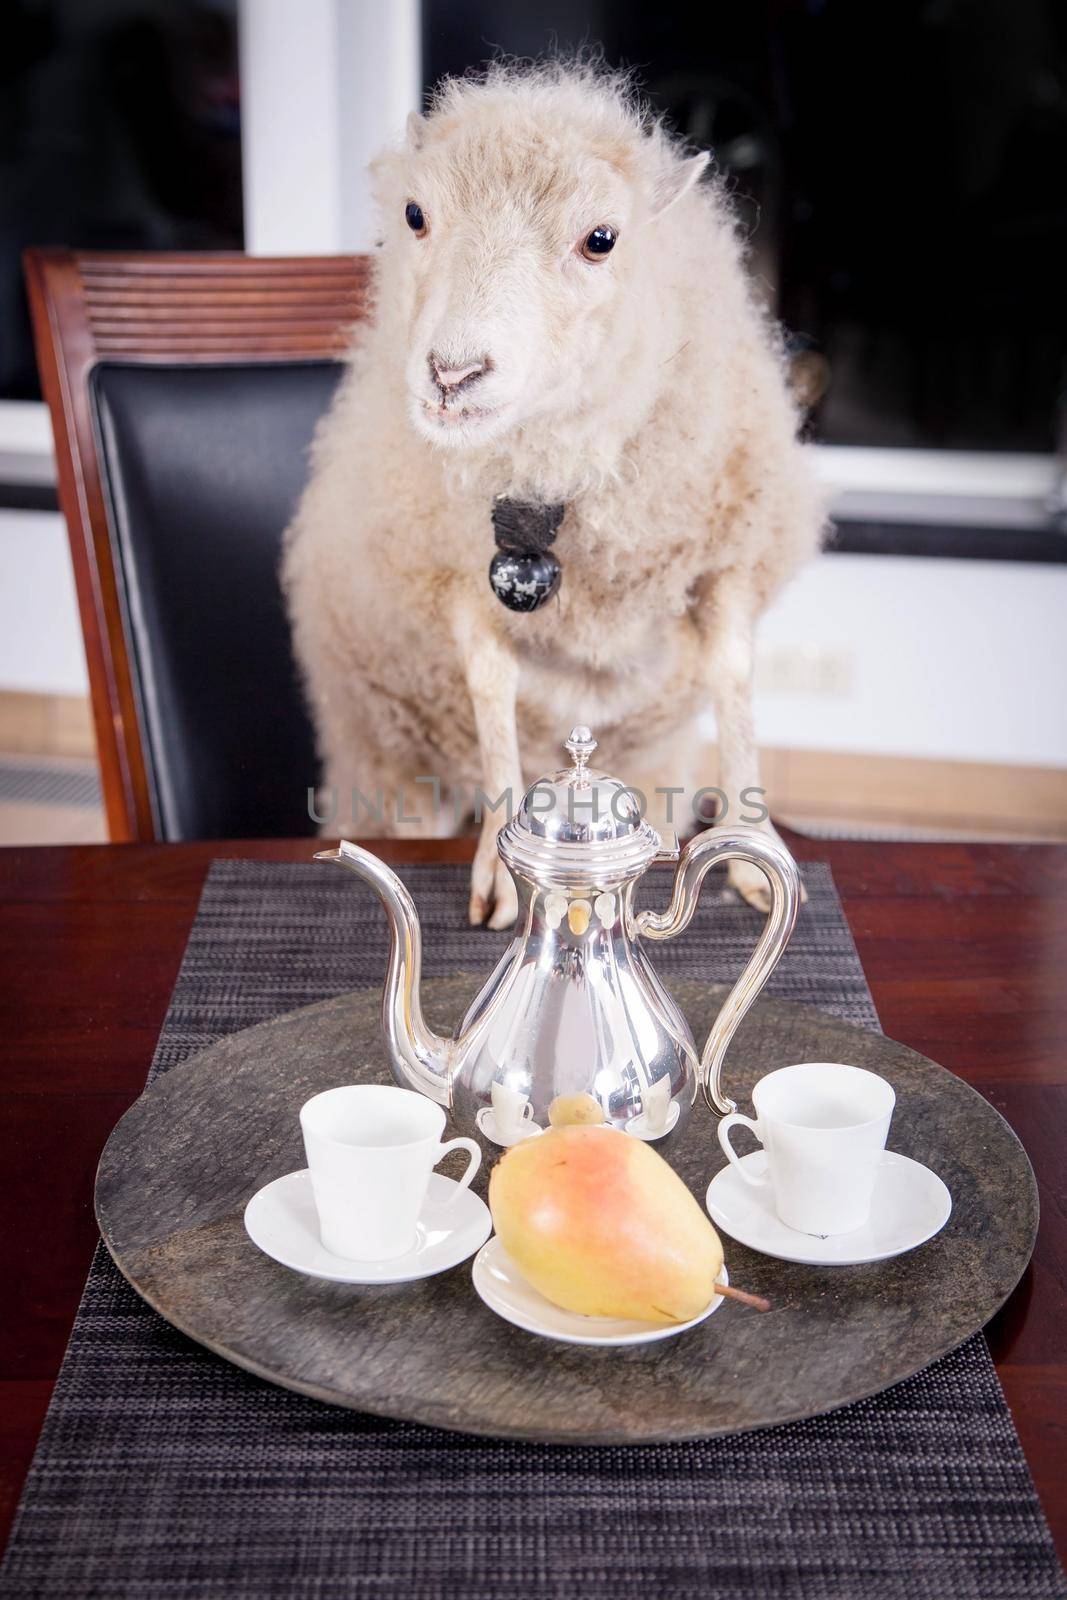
point(706, 850)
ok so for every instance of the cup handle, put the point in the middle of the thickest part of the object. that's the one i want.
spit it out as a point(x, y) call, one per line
point(527, 1111)
point(733, 1120)
point(472, 1166)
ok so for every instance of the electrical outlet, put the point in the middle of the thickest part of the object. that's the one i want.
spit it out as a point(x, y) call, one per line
point(804, 669)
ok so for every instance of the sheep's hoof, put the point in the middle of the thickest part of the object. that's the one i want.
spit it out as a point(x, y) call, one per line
point(503, 915)
point(498, 905)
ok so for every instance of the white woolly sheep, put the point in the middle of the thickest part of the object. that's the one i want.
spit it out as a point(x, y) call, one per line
point(642, 386)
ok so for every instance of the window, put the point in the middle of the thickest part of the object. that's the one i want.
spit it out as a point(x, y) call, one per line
point(900, 171)
point(119, 129)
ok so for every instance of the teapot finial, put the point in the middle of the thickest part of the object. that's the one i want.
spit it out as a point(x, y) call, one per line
point(581, 745)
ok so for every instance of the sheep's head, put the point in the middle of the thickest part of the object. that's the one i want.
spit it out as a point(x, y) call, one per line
point(515, 229)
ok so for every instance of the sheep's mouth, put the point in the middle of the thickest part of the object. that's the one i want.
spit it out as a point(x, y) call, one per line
point(445, 413)
point(457, 418)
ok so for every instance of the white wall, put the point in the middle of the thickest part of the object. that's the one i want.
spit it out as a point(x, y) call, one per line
point(963, 660)
point(324, 84)
point(380, 64)
point(40, 637)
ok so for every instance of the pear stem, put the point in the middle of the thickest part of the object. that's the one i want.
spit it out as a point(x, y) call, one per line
point(756, 1301)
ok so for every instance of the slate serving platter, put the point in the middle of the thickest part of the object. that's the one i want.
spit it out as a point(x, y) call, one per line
point(179, 1168)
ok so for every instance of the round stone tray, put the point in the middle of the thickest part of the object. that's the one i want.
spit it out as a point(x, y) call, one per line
point(180, 1166)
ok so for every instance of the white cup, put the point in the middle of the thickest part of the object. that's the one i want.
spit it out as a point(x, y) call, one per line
point(370, 1151)
point(824, 1128)
point(656, 1104)
point(510, 1110)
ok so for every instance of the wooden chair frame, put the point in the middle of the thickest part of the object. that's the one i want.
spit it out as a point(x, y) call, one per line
point(171, 310)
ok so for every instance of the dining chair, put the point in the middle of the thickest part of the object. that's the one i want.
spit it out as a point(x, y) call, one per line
point(184, 391)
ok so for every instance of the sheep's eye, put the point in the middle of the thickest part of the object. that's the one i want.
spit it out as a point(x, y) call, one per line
point(414, 218)
point(599, 242)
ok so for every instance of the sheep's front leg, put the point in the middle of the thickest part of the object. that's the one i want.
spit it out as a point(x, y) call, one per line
point(730, 666)
point(492, 679)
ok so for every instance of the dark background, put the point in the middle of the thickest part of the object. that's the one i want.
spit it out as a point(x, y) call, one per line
point(899, 166)
point(902, 170)
point(119, 130)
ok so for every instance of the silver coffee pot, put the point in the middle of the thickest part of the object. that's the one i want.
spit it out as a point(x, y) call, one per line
point(574, 1005)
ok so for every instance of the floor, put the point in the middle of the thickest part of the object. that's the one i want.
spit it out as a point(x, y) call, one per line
point(50, 800)
point(49, 783)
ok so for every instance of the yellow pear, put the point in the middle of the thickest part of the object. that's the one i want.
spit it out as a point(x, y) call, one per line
point(599, 1223)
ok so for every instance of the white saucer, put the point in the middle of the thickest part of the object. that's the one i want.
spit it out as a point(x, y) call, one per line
point(504, 1289)
point(910, 1205)
point(485, 1122)
point(639, 1128)
point(281, 1219)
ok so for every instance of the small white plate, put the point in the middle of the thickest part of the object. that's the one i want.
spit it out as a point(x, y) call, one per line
point(485, 1122)
point(909, 1206)
point(504, 1289)
point(281, 1219)
point(638, 1126)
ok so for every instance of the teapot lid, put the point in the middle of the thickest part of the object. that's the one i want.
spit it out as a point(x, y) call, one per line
point(579, 823)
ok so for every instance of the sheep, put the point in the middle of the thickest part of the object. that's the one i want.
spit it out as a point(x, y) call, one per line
point(631, 377)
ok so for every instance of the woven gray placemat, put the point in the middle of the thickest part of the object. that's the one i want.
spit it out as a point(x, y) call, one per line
point(164, 1472)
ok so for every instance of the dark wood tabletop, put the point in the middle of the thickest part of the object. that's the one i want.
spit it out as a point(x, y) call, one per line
point(964, 947)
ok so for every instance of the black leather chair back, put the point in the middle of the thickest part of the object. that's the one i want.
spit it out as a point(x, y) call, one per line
point(203, 467)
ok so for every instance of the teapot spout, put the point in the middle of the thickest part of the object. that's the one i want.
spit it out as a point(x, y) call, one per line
point(420, 1059)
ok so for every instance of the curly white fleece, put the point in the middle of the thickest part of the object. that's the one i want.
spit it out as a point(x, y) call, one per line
point(645, 389)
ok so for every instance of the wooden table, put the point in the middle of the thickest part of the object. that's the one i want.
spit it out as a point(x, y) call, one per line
point(964, 947)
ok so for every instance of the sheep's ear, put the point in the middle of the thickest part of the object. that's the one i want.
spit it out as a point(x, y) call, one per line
point(675, 180)
point(416, 126)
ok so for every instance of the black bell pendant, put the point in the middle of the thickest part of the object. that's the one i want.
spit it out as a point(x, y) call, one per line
point(524, 580)
point(524, 573)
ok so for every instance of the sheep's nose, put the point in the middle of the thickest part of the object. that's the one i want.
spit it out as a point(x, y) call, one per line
point(448, 378)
